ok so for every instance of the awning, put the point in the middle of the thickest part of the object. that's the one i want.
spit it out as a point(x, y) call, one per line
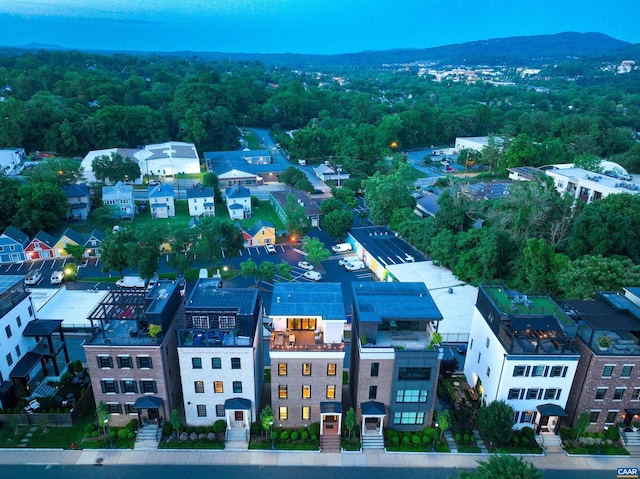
point(41, 327)
point(237, 403)
point(551, 410)
point(26, 364)
point(330, 408)
point(372, 408)
point(633, 412)
point(148, 402)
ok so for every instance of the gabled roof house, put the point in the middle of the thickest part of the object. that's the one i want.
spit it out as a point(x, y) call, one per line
point(12, 245)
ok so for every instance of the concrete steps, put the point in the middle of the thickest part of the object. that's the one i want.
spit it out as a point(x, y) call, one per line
point(330, 443)
point(43, 390)
point(372, 442)
point(146, 439)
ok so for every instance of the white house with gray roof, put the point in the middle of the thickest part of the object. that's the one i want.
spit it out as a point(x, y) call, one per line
point(120, 197)
point(161, 201)
point(201, 200)
point(238, 202)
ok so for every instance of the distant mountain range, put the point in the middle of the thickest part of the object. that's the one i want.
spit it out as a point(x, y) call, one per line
point(527, 50)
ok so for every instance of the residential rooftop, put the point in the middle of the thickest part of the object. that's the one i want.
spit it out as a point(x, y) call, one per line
point(308, 300)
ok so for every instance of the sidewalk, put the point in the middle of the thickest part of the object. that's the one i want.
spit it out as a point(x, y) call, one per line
point(267, 458)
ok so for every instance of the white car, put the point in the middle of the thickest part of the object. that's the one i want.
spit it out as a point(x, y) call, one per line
point(271, 249)
point(305, 265)
point(57, 277)
point(312, 275)
point(356, 265)
point(33, 278)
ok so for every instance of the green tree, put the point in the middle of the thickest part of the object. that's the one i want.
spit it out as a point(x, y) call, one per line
point(267, 271)
point(316, 252)
point(58, 171)
point(117, 251)
point(250, 268)
point(211, 179)
point(456, 210)
point(42, 206)
point(304, 185)
point(175, 421)
point(217, 238)
point(444, 421)
point(503, 467)
point(284, 270)
point(103, 416)
point(266, 418)
point(115, 168)
point(337, 223)
point(588, 162)
point(386, 193)
point(291, 176)
point(582, 278)
point(495, 422)
point(521, 151)
point(350, 421)
point(76, 251)
point(541, 266)
point(582, 423)
point(331, 204)
point(346, 195)
point(297, 220)
point(9, 199)
point(147, 254)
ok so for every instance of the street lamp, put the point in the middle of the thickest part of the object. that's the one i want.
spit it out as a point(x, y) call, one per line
point(106, 423)
point(435, 434)
point(606, 427)
point(271, 429)
point(339, 170)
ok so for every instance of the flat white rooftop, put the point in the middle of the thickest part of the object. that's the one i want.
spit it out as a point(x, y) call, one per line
point(72, 306)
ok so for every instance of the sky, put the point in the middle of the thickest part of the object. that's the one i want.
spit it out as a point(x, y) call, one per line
point(302, 26)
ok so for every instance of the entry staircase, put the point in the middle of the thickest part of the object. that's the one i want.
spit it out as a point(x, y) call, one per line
point(148, 438)
point(330, 443)
point(372, 441)
point(236, 440)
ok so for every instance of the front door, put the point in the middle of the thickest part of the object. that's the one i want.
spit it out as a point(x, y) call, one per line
point(153, 414)
point(239, 416)
point(330, 424)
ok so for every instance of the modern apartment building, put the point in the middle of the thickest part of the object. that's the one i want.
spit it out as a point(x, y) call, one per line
point(133, 370)
point(522, 350)
point(606, 383)
point(393, 369)
point(221, 356)
point(307, 354)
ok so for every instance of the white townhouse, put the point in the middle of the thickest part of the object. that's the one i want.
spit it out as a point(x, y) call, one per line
point(238, 202)
point(522, 350)
point(161, 202)
point(120, 196)
point(201, 200)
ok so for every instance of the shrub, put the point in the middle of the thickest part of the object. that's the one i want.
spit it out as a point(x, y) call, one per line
point(458, 437)
point(71, 368)
point(294, 435)
point(425, 439)
point(94, 434)
point(314, 428)
point(89, 428)
point(284, 436)
point(304, 435)
point(59, 410)
point(524, 440)
point(200, 430)
point(528, 432)
point(167, 428)
point(132, 425)
point(122, 434)
point(388, 434)
point(406, 440)
point(9, 410)
point(130, 435)
point(612, 433)
point(415, 439)
point(256, 429)
point(592, 435)
point(314, 437)
point(87, 435)
point(395, 439)
point(66, 377)
point(466, 437)
point(515, 439)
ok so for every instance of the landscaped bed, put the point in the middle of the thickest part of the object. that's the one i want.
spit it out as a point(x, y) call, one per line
point(407, 441)
point(301, 439)
point(601, 443)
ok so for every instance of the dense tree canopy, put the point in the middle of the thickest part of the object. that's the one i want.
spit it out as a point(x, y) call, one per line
point(115, 168)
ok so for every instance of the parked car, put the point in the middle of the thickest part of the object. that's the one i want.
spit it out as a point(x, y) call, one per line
point(153, 183)
point(57, 277)
point(33, 278)
point(312, 275)
point(341, 248)
point(305, 265)
point(356, 265)
point(271, 249)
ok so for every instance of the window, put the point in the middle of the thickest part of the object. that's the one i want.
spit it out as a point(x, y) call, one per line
point(125, 362)
point(626, 371)
point(129, 386)
point(488, 371)
point(19, 321)
point(218, 387)
point(527, 416)
point(114, 408)
point(488, 342)
point(306, 413)
point(9, 359)
point(619, 392)
point(471, 344)
point(306, 392)
point(552, 393)
point(283, 413)
point(144, 362)
point(18, 353)
point(30, 311)
point(532, 393)
point(306, 369)
point(202, 410)
point(375, 369)
point(373, 392)
point(129, 409)
point(332, 369)
point(216, 363)
point(301, 324)
point(282, 369)
point(331, 391)
point(479, 356)
point(600, 394)
point(519, 370)
point(537, 371)
point(105, 362)
point(611, 417)
point(148, 386)
point(514, 393)
point(414, 374)
point(235, 363)
point(237, 387)
point(282, 391)
point(219, 410)
point(109, 386)
point(8, 331)
point(607, 372)
point(226, 322)
point(408, 418)
point(411, 395)
point(593, 416)
point(635, 395)
point(196, 363)
point(199, 387)
point(558, 371)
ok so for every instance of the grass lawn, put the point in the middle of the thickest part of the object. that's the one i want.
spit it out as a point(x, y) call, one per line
point(264, 212)
point(252, 140)
point(415, 174)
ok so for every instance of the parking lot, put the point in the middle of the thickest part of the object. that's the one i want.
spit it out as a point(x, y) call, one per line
point(48, 266)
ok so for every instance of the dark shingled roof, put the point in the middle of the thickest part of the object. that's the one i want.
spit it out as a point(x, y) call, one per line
point(551, 410)
point(237, 403)
point(148, 402)
point(330, 407)
point(372, 408)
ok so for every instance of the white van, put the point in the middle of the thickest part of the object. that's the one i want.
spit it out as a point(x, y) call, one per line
point(57, 277)
point(203, 273)
point(32, 278)
point(341, 248)
point(356, 265)
point(312, 275)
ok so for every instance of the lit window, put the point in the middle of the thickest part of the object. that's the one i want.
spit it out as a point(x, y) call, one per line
point(283, 413)
point(306, 392)
point(306, 413)
point(306, 369)
point(282, 391)
point(217, 387)
point(331, 392)
point(282, 369)
point(331, 369)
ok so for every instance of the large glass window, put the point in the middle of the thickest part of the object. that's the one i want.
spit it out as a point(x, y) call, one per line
point(408, 418)
point(411, 395)
point(301, 324)
point(414, 374)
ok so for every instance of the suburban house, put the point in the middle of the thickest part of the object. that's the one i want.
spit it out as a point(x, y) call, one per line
point(120, 196)
point(307, 355)
point(522, 351)
point(238, 200)
point(606, 383)
point(328, 173)
point(13, 243)
point(16, 311)
point(161, 202)
point(40, 247)
point(278, 200)
point(134, 372)
point(79, 197)
point(169, 159)
point(261, 233)
point(245, 167)
point(92, 243)
point(588, 186)
point(221, 357)
point(201, 200)
point(393, 371)
point(68, 236)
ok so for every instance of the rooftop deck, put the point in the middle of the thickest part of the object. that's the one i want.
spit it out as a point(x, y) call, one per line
point(301, 341)
point(511, 302)
point(123, 332)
